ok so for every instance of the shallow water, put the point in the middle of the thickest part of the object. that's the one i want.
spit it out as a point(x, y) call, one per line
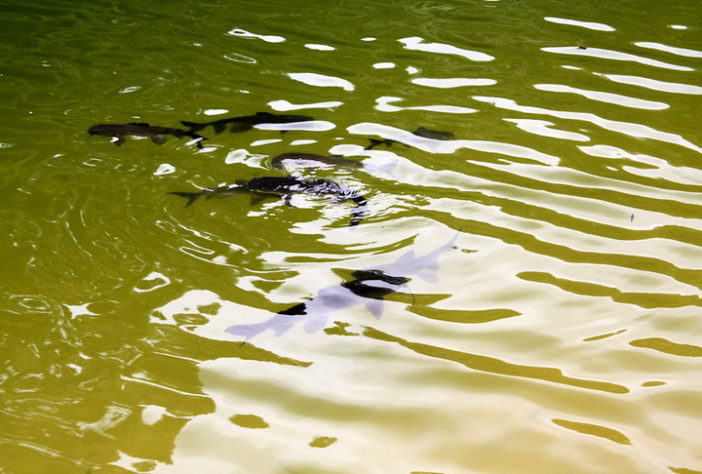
point(551, 321)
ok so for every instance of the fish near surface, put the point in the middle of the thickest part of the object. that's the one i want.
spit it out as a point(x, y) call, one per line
point(220, 192)
point(247, 122)
point(285, 187)
point(420, 132)
point(157, 134)
point(372, 165)
point(369, 288)
point(311, 159)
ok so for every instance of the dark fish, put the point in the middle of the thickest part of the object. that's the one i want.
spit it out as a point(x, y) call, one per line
point(420, 132)
point(157, 134)
point(369, 287)
point(303, 158)
point(220, 192)
point(285, 187)
point(247, 122)
point(433, 134)
point(288, 185)
point(374, 142)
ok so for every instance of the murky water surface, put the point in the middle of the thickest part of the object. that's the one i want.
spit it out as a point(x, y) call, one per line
point(521, 292)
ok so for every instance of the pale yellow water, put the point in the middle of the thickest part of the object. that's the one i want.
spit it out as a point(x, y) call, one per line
point(556, 327)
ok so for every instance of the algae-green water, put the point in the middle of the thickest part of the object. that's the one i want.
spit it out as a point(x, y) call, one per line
point(538, 308)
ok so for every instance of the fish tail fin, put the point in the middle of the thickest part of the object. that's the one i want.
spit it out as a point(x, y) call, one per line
point(193, 126)
point(359, 211)
point(373, 143)
point(191, 197)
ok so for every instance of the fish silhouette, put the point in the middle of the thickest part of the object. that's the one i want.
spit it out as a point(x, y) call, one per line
point(420, 132)
point(369, 288)
point(246, 122)
point(157, 134)
point(302, 159)
point(285, 187)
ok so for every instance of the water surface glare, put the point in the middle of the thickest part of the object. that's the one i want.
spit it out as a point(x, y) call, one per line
point(369, 237)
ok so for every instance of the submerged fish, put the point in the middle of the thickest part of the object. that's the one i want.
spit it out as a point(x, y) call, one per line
point(208, 193)
point(302, 159)
point(285, 187)
point(370, 288)
point(246, 122)
point(157, 134)
point(420, 132)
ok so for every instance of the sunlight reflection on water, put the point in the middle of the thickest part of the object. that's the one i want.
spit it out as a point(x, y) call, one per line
point(527, 273)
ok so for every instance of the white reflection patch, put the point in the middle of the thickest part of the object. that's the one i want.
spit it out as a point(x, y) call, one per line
point(243, 156)
point(114, 416)
point(206, 149)
point(247, 34)
point(582, 24)
point(164, 168)
point(133, 464)
point(239, 58)
point(383, 65)
point(448, 83)
point(614, 55)
point(608, 97)
point(154, 281)
point(656, 85)
point(266, 142)
point(216, 111)
point(320, 80)
point(284, 105)
point(187, 303)
point(384, 104)
point(310, 125)
point(152, 414)
point(79, 310)
point(626, 128)
point(417, 43)
point(130, 89)
point(541, 127)
point(319, 47)
point(688, 53)
point(451, 146)
point(655, 168)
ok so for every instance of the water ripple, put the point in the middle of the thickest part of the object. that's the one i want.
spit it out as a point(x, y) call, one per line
point(607, 97)
point(626, 128)
point(615, 56)
point(530, 260)
point(417, 43)
point(590, 25)
point(688, 53)
point(653, 84)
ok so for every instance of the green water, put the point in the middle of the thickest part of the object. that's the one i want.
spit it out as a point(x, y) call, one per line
point(557, 329)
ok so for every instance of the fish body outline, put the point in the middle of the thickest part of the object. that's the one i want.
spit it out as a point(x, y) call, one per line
point(369, 288)
point(156, 133)
point(246, 122)
point(286, 187)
